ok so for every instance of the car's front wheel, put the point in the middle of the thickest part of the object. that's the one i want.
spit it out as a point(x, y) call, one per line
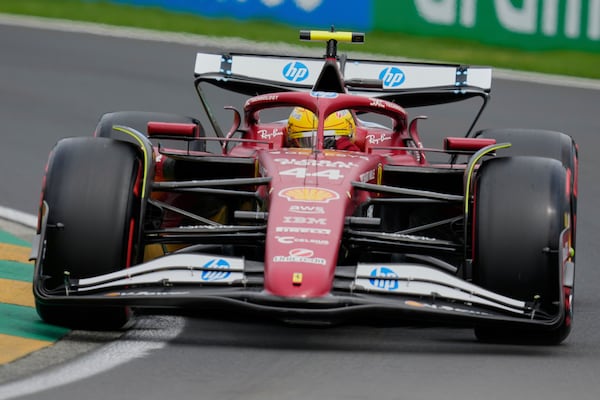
point(93, 192)
point(521, 208)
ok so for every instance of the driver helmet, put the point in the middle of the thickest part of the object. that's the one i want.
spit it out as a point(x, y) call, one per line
point(302, 127)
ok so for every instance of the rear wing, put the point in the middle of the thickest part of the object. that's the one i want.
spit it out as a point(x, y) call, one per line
point(407, 83)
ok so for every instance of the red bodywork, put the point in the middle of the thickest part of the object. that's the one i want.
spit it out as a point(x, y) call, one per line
point(311, 195)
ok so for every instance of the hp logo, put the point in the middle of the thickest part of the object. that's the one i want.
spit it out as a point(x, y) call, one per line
point(216, 275)
point(383, 272)
point(295, 71)
point(392, 77)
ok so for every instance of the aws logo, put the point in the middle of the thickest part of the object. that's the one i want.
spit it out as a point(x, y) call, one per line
point(392, 77)
point(295, 71)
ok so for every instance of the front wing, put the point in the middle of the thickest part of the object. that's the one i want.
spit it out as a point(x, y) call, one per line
point(392, 292)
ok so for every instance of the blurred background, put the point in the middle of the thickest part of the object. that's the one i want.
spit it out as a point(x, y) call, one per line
point(551, 36)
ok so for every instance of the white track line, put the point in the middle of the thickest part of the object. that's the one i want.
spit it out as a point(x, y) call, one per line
point(147, 335)
point(19, 217)
point(250, 46)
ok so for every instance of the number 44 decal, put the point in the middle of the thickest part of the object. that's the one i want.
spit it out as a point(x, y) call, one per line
point(301, 173)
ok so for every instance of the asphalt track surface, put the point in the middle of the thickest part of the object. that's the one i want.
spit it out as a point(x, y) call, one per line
point(56, 84)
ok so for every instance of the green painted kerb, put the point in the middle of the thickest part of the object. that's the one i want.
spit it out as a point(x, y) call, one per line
point(16, 271)
point(24, 322)
point(10, 239)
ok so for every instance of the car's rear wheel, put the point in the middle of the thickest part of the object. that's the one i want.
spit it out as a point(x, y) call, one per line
point(138, 120)
point(541, 143)
point(520, 207)
point(93, 191)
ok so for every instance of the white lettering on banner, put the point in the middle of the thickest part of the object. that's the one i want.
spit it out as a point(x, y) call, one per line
point(442, 12)
point(594, 20)
point(572, 18)
point(306, 5)
point(550, 17)
point(467, 13)
point(270, 3)
point(521, 18)
point(524, 20)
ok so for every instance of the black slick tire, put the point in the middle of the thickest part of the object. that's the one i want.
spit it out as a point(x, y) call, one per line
point(520, 207)
point(92, 189)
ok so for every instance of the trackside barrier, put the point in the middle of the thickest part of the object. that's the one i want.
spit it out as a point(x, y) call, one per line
point(522, 24)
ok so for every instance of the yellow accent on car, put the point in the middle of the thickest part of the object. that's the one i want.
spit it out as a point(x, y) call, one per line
point(143, 148)
point(353, 37)
point(297, 278)
point(471, 167)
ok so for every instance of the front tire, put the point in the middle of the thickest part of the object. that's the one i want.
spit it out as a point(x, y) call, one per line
point(520, 207)
point(92, 188)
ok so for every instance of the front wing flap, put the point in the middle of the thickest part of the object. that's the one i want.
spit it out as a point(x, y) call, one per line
point(393, 292)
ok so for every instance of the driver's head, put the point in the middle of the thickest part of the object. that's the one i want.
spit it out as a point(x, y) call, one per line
point(302, 127)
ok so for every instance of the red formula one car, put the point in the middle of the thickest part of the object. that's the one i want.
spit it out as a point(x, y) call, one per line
point(319, 204)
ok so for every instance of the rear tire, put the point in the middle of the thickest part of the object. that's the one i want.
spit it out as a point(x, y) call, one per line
point(534, 142)
point(541, 143)
point(138, 120)
point(520, 206)
point(92, 189)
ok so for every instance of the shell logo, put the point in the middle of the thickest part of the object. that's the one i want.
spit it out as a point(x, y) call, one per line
point(312, 194)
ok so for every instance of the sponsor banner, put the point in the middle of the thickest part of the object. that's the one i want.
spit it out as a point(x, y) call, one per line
point(313, 14)
point(524, 24)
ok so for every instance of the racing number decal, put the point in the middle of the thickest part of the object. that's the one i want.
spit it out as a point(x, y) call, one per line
point(301, 173)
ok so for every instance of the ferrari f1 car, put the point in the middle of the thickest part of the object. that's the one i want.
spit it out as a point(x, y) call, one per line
point(156, 212)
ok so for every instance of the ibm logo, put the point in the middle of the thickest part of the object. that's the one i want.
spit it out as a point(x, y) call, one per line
point(392, 77)
point(295, 71)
